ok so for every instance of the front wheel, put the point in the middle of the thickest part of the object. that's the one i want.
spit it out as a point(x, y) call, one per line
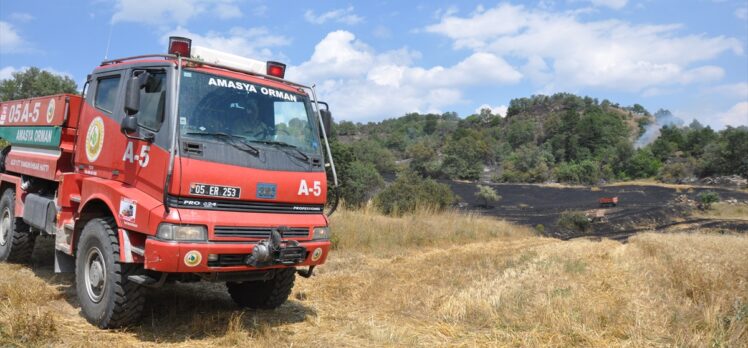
point(107, 298)
point(268, 294)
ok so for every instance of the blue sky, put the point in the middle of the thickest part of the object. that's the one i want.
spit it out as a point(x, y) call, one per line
point(380, 59)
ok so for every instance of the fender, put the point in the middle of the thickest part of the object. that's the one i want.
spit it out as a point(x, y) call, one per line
point(130, 207)
point(7, 180)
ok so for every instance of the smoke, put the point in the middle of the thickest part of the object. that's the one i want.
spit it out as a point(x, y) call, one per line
point(652, 131)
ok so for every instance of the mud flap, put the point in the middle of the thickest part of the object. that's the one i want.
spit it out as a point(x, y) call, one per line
point(64, 263)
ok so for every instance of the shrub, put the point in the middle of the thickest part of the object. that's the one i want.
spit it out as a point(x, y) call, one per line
point(410, 192)
point(540, 228)
point(707, 198)
point(487, 194)
point(574, 220)
point(584, 172)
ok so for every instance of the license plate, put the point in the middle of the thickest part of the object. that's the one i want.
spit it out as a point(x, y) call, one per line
point(215, 191)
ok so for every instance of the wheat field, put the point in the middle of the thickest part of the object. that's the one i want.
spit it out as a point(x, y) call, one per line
point(433, 280)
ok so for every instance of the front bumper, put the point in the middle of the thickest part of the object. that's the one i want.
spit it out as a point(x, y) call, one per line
point(192, 257)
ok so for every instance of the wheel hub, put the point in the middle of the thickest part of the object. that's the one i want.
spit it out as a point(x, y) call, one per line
point(95, 275)
point(5, 227)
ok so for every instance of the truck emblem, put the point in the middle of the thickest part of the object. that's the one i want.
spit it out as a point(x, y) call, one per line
point(95, 139)
point(266, 191)
point(51, 110)
point(193, 258)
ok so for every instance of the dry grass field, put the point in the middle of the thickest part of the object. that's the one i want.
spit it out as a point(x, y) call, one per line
point(723, 210)
point(434, 280)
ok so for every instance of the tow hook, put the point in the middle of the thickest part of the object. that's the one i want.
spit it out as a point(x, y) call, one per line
point(307, 273)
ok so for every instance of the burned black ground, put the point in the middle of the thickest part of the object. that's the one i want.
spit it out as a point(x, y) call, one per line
point(640, 207)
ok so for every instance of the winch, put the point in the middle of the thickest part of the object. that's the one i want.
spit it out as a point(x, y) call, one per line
point(275, 250)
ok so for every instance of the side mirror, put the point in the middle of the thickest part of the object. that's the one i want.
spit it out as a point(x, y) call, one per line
point(326, 121)
point(129, 125)
point(132, 92)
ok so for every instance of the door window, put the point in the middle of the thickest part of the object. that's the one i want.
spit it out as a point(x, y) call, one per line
point(152, 101)
point(106, 93)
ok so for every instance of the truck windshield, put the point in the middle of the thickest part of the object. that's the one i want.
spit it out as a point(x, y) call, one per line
point(213, 104)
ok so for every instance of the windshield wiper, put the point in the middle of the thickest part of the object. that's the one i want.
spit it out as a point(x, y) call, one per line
point(303, 157)
point(231, 139)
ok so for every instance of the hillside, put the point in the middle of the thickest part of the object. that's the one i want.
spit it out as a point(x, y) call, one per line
point(559, 138)
point(433, 279)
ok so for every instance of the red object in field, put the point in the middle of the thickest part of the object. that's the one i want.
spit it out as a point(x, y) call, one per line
point(608, 201)
point(231, 188)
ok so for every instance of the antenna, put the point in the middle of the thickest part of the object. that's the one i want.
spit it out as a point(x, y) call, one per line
point(108, 40)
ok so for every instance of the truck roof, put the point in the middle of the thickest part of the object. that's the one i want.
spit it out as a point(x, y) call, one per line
point(207, 67)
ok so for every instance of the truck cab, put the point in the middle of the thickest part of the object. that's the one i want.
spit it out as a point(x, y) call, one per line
point(193, 165)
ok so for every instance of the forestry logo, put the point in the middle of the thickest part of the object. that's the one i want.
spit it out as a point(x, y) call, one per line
point(95, 139)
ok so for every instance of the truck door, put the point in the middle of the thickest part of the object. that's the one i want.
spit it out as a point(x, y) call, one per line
point(98, 126)
point(143, 162)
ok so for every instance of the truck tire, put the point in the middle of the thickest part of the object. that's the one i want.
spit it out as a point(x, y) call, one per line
point(268, 294)
point(16, 238)
point(107, 298)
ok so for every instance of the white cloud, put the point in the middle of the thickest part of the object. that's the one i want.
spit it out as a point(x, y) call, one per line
point(10, 41)
point(167, 12)
point(260, 10)
point(342, 15)
point(614, 4)
point(227, 11)
point(21, 17)
point(734, 90)
point(7, 72)
point(563, 52)
point(254, 43)
point(742, 13)
point(496, 110)
point(382, 32)
point(736, 116)
point(362, 84)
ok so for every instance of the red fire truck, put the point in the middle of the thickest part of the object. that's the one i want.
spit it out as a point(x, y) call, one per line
point(196, 165)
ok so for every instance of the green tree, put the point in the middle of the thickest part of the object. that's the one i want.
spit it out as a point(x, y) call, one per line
point(345, 128)
point(487, 194)
point(373, 152)
point(529, 163)
point(360, 183)
point(423, 158)
point(34, 82)
point(643, 164)
point(464, 158)
point(520, 132)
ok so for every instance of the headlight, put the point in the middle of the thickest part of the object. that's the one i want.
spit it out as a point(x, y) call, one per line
point(182, 232)
point(321, 233)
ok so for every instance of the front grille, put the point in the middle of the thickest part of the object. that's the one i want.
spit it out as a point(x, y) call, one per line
point(243, 206)
point(258, 232)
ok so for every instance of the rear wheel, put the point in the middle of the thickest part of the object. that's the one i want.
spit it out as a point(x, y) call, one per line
point(107, 298)
point(267, 294)
point(16, 238)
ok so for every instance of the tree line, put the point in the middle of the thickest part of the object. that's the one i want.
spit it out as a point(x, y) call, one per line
point(559, 138)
